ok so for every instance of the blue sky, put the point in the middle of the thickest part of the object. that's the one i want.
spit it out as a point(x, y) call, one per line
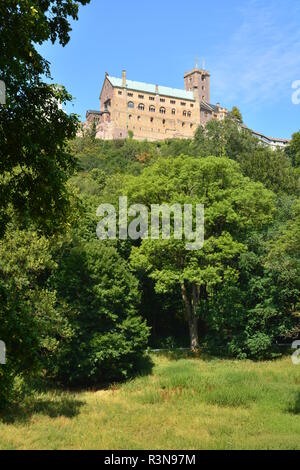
point(250, 47)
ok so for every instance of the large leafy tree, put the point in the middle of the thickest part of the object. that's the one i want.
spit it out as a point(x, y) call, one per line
point(99, 297)
point(272, 168)
point(34, 157)
point(236, 114)
point(224, 138)
point(229, 138)
point(293, 150)
point(233, 205)
point(30, 324)
point(35, 164)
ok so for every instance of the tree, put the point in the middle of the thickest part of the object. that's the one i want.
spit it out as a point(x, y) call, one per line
point(283, 262)
point(30, 325)
point(35, 161)
point(35, 164)
point(223, 138)
point(236, 114)
point(99, 297)
point(293, 150)
point(233, 205)
point(272, 168)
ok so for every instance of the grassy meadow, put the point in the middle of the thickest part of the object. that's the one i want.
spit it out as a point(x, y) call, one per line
point(185, 403)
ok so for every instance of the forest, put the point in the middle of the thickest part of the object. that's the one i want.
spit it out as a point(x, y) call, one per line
point(76, 311)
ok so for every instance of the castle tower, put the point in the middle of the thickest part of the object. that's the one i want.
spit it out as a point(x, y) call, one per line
point(198, 81)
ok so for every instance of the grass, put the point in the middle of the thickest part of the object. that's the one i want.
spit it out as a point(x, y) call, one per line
point(184, 404)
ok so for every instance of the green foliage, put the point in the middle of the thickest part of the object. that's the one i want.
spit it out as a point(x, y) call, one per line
point(272, 168)
point(35, 164)
point(30, 325)
point(100, 297)
point(119, 156)
point(245, 310)
point(70, 307)
point(293, 150)
point(224, 138)
point(262, 309)
point(233, 205)
point(236, 114)
point(258, 162)
point(34, 154)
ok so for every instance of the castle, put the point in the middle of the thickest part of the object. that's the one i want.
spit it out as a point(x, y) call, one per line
point(153, 112)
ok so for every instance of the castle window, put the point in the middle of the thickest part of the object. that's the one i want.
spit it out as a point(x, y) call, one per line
point(183, 124)
point(152, 109)
point(130, 104)
point(130, 116)
point(120, 93)
point(162, 100)
point(192, 105)
point(173, 111)
point(203, 88)
point(164, 121)
point(162, 110)
point(184, 113)
point(151, 98)
point(141, 106)
point(151, 119)
point(173, 102)
point(139, 118)
point(191, 125)
point(189, 114)
point(129, 94)
point(183, 103)
point(141, 97)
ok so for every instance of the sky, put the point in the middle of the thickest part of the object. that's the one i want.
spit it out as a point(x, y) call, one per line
point(250, 47)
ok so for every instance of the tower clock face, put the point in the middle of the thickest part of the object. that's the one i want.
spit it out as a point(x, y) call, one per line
point(2, 92)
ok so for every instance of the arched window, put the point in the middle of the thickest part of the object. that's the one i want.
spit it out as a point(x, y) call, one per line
point(152, 109)
point(141, 106)
point(173, 111)
point(189, 114)
point(162, 110)
point(130, 104)
point(130, 116)
point(164, 121)
point(184, 113)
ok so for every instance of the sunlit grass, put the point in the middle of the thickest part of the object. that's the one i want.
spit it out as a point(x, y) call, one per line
point(185, 404)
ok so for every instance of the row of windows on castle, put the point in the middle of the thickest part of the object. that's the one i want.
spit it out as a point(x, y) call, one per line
point(152, 120)
point(162, 110)
point(152, 98)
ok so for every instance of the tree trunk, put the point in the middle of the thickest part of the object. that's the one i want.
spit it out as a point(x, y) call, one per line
point(190, 307)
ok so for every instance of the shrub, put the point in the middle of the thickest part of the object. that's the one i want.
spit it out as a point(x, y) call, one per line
point(99, 297)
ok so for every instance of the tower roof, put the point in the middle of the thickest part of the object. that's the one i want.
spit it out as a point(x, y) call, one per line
point(197, 70)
